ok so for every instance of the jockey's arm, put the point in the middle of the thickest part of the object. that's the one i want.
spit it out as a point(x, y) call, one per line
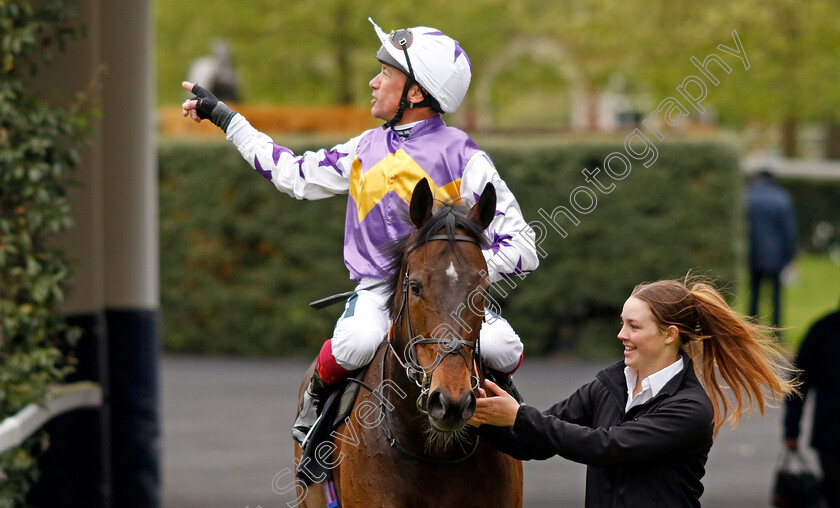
point(511, 243)
point(312, 175)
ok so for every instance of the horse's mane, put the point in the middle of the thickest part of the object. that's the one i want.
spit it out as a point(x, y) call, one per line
point(447, 218)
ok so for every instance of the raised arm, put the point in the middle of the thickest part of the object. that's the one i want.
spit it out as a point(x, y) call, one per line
point(311, 175)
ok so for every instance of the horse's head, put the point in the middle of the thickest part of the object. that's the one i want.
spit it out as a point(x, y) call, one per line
point(438, 304)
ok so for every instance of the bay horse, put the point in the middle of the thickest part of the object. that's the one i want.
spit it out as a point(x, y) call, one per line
point(406, 443)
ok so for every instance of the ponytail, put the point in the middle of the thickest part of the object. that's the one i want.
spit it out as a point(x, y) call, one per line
point(725, 346)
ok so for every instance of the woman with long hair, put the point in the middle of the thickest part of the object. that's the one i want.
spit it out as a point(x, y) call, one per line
point(644, 426)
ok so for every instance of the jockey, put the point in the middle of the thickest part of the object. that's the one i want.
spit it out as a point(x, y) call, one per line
point(424, 74)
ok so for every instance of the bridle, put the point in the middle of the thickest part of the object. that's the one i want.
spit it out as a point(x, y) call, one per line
point(419, 374)
point(413, 370)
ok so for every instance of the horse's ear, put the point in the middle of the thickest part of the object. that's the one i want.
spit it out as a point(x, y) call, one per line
point(484, 211)
point(422, 201)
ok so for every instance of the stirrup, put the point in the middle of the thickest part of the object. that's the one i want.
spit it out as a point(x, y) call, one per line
point(303, 442)
point(302, 428)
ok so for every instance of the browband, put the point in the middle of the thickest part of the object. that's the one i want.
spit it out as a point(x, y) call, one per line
point(457, 238)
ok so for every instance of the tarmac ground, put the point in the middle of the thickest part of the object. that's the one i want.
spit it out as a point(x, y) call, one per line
point(226, 436)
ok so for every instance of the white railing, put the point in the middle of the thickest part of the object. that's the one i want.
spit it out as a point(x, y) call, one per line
point(15, 429)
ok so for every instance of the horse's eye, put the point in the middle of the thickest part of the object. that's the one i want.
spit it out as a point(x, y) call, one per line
point(416, 288)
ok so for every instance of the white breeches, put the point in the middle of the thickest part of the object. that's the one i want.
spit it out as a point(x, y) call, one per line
point(365, 322)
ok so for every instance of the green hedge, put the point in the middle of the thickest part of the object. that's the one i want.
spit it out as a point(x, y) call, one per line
point(682, 213)
point(240, 261)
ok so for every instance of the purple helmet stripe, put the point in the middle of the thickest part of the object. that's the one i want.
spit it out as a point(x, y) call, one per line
point(459, 51)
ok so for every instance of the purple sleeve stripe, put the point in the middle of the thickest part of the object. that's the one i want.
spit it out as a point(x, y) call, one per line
point(264, 172)
point(279, 150)
point(300, 168)
point(331, 159)
point(516, 271)
point(499, 242)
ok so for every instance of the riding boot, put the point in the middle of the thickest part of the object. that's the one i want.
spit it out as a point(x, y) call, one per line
point(310, 406)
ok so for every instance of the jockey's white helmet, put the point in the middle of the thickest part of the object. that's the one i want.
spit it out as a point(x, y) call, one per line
point(435, 61)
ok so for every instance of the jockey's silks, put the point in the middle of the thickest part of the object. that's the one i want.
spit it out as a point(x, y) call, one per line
point(384, 172)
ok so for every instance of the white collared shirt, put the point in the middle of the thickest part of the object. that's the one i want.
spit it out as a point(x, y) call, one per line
point(651, 385)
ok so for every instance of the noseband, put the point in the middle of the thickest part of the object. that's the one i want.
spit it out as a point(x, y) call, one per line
point(452, 345)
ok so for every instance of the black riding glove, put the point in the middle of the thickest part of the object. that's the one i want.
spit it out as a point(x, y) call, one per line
point(209, 107)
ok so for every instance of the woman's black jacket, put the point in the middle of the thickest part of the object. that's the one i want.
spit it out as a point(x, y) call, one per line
point(652, 456)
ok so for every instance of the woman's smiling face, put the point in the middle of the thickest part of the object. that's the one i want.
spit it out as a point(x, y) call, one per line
point(647, 348)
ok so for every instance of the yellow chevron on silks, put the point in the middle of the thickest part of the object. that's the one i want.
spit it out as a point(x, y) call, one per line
point(397, 172)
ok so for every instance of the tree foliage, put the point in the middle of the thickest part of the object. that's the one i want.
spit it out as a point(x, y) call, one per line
point(290, 52)
point(39, 145)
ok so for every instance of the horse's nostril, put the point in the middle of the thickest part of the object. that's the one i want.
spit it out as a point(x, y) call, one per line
point(437, 404)
point(467, 405)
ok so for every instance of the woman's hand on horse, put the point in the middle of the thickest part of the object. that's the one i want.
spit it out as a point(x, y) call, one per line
point(499, 410)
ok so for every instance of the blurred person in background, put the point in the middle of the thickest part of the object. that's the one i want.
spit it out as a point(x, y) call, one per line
point(771, 226)
point(216, 72)
point(819, 362)
point(423, 74)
